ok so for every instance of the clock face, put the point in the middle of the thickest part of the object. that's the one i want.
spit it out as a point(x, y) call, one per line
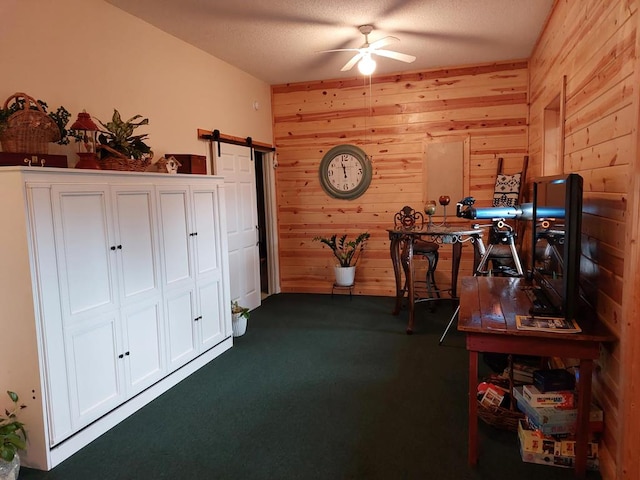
point(345, 172)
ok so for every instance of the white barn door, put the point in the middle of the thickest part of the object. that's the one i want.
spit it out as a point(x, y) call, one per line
point(234, 163)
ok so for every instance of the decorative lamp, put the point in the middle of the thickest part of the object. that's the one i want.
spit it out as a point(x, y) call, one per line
point(87, 132)
point(367, 65)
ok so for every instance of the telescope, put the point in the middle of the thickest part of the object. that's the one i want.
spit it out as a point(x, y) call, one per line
point(465, 209)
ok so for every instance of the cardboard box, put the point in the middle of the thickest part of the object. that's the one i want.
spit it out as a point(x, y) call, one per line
point(557, 461)
point(536, 398)
point(556, 421)
point(534, 441)
point(554, 380)
point(546, 450)
point(492, 397)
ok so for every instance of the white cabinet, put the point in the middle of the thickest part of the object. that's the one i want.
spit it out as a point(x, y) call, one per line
point(136, 242)
point(122, 278)
point(108, 257)
point(191, 236)
point(94, 371)
point(84, 239)
point(143, 340)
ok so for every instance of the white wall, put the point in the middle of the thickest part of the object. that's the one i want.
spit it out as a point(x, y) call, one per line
point(87, 54)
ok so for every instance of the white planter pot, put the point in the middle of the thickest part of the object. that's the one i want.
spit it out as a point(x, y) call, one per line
point(345, 276)
point(10, 470)
point(239, 324)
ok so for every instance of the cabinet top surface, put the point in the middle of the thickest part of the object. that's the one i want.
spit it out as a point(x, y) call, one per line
point(96, 175)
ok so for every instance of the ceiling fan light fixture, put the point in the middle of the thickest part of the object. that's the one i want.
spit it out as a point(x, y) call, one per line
point(367, 65)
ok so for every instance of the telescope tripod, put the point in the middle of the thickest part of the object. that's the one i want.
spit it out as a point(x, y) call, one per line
point(500, 234)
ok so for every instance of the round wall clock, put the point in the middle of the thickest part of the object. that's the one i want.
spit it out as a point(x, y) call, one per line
point(345, 172)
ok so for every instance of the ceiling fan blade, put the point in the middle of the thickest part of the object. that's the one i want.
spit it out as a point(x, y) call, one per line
point(383, 42)
point(340, 50)
point(403, 57)
point(349, 65)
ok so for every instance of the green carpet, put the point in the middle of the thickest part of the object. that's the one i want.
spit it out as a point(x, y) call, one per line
point(318, 388)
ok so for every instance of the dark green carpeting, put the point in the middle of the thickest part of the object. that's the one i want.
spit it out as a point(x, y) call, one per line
point(318, 388)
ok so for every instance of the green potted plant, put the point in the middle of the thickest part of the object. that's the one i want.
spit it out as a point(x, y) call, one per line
point(348, 253)
point(119, 148)
point(13, 437)
point(239, 317)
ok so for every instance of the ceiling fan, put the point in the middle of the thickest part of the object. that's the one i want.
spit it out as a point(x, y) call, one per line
point(366, 64)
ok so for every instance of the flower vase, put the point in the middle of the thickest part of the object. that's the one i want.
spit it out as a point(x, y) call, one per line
point(10, 470)
point(239, 324)
point(345, 276)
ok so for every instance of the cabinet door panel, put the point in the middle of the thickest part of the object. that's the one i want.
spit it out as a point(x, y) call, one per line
point(50, 318)
point(212, 327)
point(180, 318)
point(84, 248)
point(144, 345)
point(205, 217)
point(175, 230)
point(95, 369)
point(135, 234)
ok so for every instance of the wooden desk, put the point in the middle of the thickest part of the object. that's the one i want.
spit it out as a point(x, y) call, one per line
point(488, 306)
point(404, 239)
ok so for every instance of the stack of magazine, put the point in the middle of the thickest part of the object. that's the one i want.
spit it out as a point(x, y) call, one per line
point(547, 324)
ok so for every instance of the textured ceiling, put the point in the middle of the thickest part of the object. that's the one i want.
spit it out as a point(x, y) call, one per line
point(278, 41)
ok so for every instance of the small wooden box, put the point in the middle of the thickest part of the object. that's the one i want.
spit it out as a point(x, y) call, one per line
point(33, 160)
point(196, 164)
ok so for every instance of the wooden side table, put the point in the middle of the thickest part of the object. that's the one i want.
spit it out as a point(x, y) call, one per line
point(488, 307)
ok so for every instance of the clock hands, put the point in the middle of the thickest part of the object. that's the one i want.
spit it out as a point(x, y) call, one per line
point(344, 169)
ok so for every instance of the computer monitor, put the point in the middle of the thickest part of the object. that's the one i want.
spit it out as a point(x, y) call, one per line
point(556, 230)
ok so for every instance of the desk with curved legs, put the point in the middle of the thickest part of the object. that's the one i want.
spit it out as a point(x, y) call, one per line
point(488, 309)
point(404, 239)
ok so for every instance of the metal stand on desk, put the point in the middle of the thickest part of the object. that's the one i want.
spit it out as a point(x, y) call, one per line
point(500, 234)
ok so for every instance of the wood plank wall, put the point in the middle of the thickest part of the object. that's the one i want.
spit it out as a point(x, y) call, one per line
point(392, 118)
point(593, 44)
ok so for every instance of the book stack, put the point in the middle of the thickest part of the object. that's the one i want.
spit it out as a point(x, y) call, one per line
point(547, 434)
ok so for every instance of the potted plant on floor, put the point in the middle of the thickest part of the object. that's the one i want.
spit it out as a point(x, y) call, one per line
point(13, 437)
point(348, 253)
point(239, 317)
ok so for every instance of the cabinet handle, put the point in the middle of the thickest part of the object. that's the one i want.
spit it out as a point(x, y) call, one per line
point(194, 234)
point(113, 247)
point(126, 353)
point(121, 356)
point(119, 247)
point(197, 318)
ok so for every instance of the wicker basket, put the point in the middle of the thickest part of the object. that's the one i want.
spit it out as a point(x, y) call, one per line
point(30, 129)
point(116, 161)
point(499, 417)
